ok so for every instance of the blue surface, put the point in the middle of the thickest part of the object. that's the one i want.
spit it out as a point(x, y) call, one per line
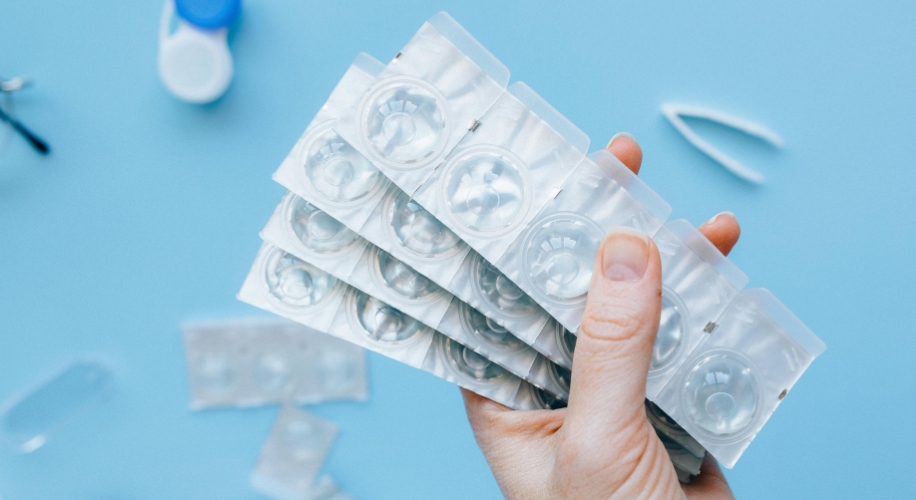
point(148, 210)
point(210, 14)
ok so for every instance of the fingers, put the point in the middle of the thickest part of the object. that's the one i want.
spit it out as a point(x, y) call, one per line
point(614, 344)
point(625, 148)
point(710, 484)
point(723, 231)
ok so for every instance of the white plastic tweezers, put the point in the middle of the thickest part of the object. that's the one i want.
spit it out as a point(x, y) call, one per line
point(675, 114)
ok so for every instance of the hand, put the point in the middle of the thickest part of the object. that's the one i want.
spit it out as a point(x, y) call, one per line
point(601, 445)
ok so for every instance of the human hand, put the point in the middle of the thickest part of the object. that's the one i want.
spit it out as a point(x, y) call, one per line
point(601, 445)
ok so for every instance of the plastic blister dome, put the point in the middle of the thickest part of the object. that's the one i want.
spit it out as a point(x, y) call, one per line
point(673, 329)
point(317, 230)
point(486, 189)
point(720, 395)
point(498, 290)
point(559, 254)
point(566, 340)
point(402, 278)
point(337, 171)
point(484, 329)
point(418, 231)
point(471, 364)
point(294, 282)
point(273, 374)
point(382, 322)
point(404, 121)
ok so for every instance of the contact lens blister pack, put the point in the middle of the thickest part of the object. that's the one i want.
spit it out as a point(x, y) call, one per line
point(424, 102)
point(504, 171)
point(530, 397)
point(252, 362)
point(553, 259)
point(325, 169)
point(556, 343)
point(739, 373)
point(664, 424)
point(698, 283)
point(341, 253)
point(293, 455)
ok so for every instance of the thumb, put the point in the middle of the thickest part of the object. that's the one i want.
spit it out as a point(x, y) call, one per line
point(614, 346)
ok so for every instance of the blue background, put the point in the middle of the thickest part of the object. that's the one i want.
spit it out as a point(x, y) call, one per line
point(147, 214)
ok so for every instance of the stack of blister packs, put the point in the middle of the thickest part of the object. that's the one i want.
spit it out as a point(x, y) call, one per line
point(445, 220)
point(255, 362)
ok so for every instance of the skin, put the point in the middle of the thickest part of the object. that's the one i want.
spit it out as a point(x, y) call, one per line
point(601, 445)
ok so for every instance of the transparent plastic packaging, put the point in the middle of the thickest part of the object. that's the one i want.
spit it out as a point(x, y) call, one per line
point(285, 284)
point(336, 250)
point(29, 419)
point(530, 397)
point(325, 169)
point(452, 361)
point(424, 101)
point(258, 361)
point(293, 455)
point(553, 259)
point(504, 171)
point(556, 343)
point(664, 424)
point(737, 376)
point(481, 285)
point(698, 284)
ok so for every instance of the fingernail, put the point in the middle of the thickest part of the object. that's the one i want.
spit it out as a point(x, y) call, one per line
point(716, 217)
point(618, 135)
point(626, 255)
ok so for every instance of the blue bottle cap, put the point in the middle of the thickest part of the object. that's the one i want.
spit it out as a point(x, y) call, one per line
point(209, 14)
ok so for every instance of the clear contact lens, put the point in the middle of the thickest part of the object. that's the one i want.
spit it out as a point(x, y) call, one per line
point(559, 256)
point(420, 232)
point(337, 171)
point(672, 332)
point(720, 395)
point(565, 339)
point(382, 322)
point(317, 230)
point(486, 189)
point(494, 287)
point(470, 363)
point(487, 330)
point(294, 282)
point(404, 121)
point(402, 278)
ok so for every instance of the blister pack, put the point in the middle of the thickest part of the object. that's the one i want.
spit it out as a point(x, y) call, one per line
point(553, 259)
point(325, 169)
point(556, 343)
point(317, 239)
point(424, 102)
point(257, 361)
point(664, 424)
point(698, 283)
point(293, 455)
point(739, 373)
point(530, 397)
point(504, 171)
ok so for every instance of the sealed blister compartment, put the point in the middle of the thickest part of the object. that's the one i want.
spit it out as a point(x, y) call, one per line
point(371, 323)
point(250, 362)
point(504, 171)
point(403, 228)
point(284, 284)
point(530, 397)
point(556, 343)
point(737, 376)
point(698, 284)
point(312, 234)
point(325, 169)
point(452, 361)
point(293, 455)
point(484, 287)
point(553, 259)
point(664, 424)
point(381, 275)
point(424, 101)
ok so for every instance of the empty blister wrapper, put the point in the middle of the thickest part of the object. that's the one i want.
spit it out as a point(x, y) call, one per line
point(293, 455)
point(256, 361)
